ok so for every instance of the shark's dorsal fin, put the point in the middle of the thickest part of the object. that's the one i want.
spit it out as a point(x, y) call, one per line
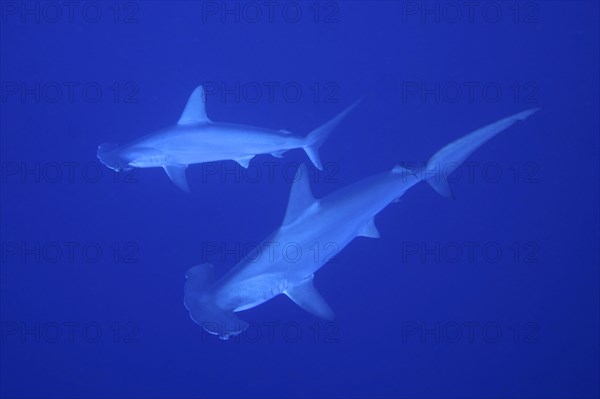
point(300, 196)
point(195, 109)
point(308, 298)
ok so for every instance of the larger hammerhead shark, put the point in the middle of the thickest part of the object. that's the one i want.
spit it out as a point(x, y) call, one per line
point(285, 262)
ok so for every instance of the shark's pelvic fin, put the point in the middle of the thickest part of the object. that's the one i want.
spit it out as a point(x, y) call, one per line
point(204, 312)
point(195, 109)
point(176, 173)
point(370, 230)
point(317, 137)
point(300, 196)
point(440, 184)
point(401, 170)
point(245, 161)
point(278, 154)
point(308, 298)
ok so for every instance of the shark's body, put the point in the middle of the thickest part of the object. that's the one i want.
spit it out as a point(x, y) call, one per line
point(312, 232)
point(196, 139)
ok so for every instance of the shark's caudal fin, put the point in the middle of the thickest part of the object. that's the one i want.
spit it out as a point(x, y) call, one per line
point(308, 298)
point(203, 310)
point(450, 157)
point(317, 137)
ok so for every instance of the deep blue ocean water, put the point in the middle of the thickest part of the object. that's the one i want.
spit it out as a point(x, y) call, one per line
point(492, 295)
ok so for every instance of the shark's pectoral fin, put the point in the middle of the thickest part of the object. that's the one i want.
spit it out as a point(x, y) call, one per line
point(308, 298)
point(195, 109)
point(370, 230)
point(245, 161)
point(176, 173)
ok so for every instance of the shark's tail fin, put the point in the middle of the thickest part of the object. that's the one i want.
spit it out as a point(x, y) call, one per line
point(108, 155)
point(203, 310)
point(450, 157)
point(317, 137)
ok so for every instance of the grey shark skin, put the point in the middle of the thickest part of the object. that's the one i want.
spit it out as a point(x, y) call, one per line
point(196, 139)
point(317, 229)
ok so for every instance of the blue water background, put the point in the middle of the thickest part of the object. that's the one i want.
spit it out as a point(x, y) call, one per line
point(533, 312)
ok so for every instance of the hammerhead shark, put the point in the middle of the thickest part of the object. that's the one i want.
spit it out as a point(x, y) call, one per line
point(196, 139)
point(285, 262)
